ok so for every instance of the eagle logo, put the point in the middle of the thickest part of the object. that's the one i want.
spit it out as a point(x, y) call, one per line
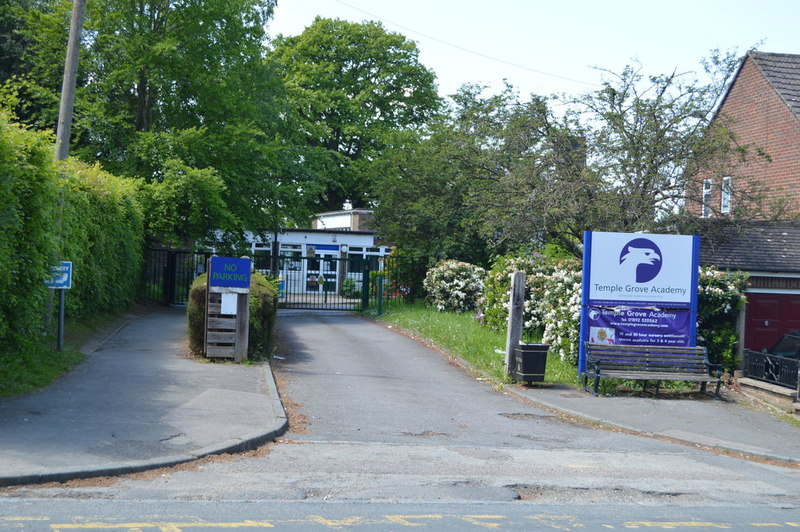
point(641, 260)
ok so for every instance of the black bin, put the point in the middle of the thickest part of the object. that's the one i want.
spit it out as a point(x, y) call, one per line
point(530, 361)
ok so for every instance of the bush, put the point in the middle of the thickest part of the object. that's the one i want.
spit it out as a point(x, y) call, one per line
point(455, 286)
point(102, 233)
point(28, 212)
point(497, 287)
point(721, 298)
point(263, 308)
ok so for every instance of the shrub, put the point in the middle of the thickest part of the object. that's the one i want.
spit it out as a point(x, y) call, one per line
point(263, 308)
point(453, 285)
point(28, 211)
point(721, 298)
point(497, 287)
point(102, 233)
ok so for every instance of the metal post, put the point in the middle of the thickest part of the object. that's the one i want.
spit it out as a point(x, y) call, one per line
point(60, 338)
point(380, 294)
point(365, 289)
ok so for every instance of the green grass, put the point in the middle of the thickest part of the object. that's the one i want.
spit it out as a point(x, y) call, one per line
point(463, 336)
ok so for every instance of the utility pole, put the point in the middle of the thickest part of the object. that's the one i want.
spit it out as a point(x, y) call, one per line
point(70, 79)
point(64, 129)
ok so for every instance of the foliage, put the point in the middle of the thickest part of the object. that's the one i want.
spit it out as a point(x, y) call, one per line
point(263, 303)
point(263, 310)
point(349, 287)
point(39, 364)
point(455, 286)
point(497, 288)
point(424, 205)
point(348, 85)
point(187, 205)
point(720, 300)
point(101, 231)
point(161, 82)
point(405, 273)
point(28, 201)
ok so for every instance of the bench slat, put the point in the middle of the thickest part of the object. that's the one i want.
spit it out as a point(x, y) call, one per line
point(649, 362)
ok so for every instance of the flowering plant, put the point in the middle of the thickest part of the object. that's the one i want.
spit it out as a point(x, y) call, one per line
point(453, 285)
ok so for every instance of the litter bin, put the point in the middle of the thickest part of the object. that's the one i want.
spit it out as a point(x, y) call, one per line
point(530, 361)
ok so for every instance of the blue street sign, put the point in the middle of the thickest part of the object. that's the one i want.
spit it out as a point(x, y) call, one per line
point(228, 272)
point(62, 276)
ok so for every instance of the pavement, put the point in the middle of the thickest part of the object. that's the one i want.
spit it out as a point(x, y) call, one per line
point(138, 403)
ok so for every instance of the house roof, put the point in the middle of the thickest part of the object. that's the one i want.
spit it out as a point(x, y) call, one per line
point(782, 71)
point(759, 247)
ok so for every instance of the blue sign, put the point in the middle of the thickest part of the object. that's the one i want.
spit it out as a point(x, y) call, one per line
point(62, 276)
point(228, 272)
point(639, 290)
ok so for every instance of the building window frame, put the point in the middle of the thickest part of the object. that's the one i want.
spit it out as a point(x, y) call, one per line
point(705, 209)
point(725, 195)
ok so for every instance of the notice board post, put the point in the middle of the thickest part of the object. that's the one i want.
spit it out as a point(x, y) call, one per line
point(61, 280)
point(228, 308)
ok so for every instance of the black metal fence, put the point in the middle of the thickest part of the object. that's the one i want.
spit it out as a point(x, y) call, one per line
point(770, 368)
point(169, 274)
point(321, 282)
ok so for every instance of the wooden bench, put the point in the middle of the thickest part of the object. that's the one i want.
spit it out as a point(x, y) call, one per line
point(650, 362)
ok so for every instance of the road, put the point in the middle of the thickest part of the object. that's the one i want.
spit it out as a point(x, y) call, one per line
point(387, 436)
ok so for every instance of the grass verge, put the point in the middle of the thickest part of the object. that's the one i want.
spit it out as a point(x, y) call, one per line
point(464, 337)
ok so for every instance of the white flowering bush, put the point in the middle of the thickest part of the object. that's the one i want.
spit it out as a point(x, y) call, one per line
point(554, 306)
point(454, 286)
point(721, 297)
point(497, 287)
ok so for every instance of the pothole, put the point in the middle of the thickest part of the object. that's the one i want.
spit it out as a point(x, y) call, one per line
point(528, 492)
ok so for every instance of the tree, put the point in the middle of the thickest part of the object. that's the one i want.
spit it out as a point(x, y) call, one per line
point(423, 204)
point(348, 86)
point(172, 82)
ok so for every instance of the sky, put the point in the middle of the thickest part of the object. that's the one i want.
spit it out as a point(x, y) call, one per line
point(560, 46)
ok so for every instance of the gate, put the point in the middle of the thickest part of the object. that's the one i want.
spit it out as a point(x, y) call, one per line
point(321, 282)
point(169, 274)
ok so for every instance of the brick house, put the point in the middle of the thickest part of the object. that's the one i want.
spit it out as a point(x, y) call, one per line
point(762, 109)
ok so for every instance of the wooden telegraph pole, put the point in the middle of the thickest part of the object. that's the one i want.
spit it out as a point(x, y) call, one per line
point(70, 79)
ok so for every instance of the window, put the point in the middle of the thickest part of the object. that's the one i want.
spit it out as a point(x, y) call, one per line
point(725, 202)
point(706, 208)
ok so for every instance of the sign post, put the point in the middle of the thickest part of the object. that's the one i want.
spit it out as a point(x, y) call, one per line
point(228, 308)
point(61, 280)
point(639, 289)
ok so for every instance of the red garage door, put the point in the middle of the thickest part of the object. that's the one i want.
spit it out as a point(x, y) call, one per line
point(768, 317)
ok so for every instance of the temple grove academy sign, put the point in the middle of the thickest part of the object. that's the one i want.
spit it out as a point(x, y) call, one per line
point(639, 289)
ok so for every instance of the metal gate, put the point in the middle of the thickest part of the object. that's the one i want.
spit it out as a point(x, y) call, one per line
point(169, 274)
point(322, 282)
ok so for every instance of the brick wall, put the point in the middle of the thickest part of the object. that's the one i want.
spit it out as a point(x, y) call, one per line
point(760, 118)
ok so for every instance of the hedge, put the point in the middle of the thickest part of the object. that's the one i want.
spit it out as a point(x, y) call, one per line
point(263, 308)
point(28, 200)
point(51, 212)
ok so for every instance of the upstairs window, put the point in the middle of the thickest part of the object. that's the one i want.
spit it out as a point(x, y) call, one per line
point(706, 208)
point(725, 201)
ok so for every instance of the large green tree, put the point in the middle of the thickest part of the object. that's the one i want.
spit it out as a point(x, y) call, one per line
point(348, 86)
point(165, 83)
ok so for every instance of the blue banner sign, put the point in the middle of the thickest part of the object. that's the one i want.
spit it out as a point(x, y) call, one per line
point(62, 276)
point(229, 273)
point(639, 289)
